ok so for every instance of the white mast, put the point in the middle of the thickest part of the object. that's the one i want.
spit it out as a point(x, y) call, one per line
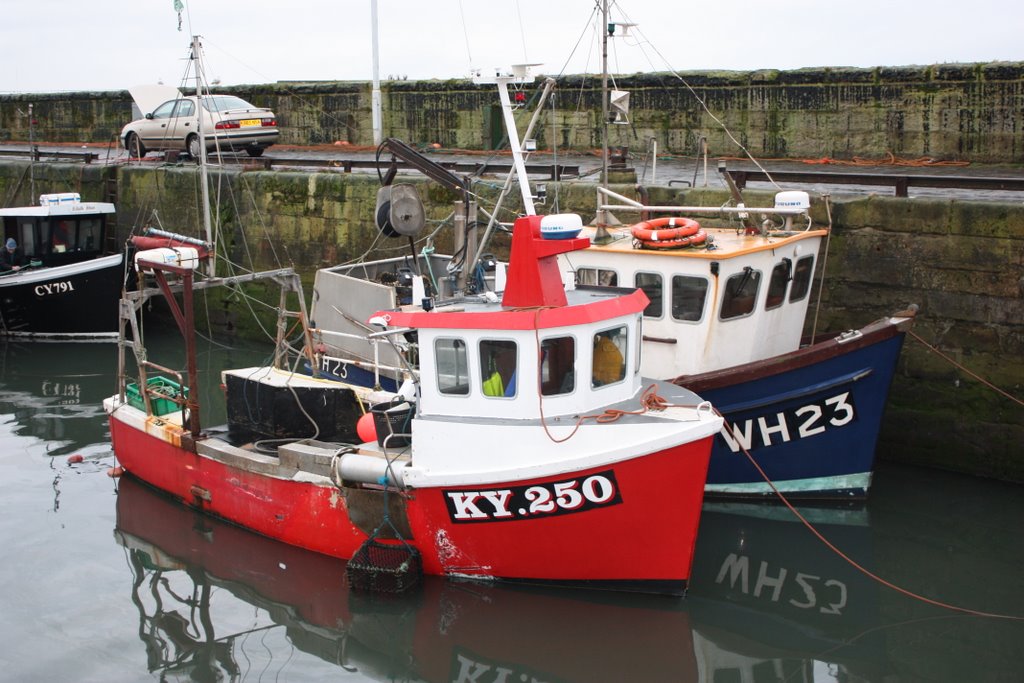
point(604, 93)
point(520, 74)
point(378, 134)
point(207, 223)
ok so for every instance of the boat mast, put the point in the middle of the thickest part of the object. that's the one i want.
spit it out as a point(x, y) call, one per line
point(520, 75)
point(378, 134)
point(604, 93)
point(211, 263)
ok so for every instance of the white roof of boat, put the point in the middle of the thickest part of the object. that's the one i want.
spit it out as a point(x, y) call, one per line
point(67, 209)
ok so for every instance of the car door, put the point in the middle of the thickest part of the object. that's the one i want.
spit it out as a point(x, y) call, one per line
point(156, 129)
point(184, 122)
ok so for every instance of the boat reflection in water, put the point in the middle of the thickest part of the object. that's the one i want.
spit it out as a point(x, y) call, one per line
point(772, 602)
point(55, 391)
point(218, 602)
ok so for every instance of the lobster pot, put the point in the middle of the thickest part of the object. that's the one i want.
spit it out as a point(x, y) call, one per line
point(384, 567)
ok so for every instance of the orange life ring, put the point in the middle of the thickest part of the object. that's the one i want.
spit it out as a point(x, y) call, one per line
point(674, 229)
point(699, 237)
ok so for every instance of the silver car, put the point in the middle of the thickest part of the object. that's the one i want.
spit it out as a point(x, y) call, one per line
point(229, 123)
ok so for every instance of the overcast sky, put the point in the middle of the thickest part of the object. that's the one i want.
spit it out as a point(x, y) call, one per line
point(61, 45)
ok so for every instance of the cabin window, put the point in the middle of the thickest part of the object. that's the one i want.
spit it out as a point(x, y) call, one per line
point(740, 293)
point(802, 278)
point(89, 234)
point(27, 239)
point(609, 365)
point(498, 365)
point(637, 348)
point(781, 275)
point(651, 284)
point(597, 276)
point(688, 296)
point(63, 237)
point(452, 366)
point(557, 366)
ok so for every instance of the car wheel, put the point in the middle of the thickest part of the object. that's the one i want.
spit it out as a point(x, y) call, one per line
point(254, 150)
point(133, 145)
point(192, 145)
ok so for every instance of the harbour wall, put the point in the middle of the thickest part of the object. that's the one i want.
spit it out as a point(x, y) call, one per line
point(961, 262)
point(966, 112)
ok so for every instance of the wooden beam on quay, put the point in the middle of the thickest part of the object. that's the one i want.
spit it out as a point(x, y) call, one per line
point(899, 182)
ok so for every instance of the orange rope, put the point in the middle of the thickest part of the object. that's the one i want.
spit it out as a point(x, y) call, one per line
point(965, 370)
point(890, 159)
point(853, 563)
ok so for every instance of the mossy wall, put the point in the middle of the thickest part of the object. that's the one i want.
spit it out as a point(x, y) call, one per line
point(962, 262)
point(966, 112)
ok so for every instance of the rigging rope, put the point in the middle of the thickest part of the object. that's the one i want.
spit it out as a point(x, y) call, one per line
point(849, 560)
point(963, 369)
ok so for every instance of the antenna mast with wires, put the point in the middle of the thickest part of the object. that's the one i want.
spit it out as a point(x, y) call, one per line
point(203, 179)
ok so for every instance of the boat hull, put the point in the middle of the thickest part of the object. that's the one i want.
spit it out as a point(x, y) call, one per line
point(78, 300)
point(810, 419)
point(627, 525)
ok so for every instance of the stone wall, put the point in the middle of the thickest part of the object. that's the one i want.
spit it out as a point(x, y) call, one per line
point(962, 262)
point(966, 112)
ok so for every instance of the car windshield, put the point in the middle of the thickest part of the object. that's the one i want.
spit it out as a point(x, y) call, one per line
point(224, 103)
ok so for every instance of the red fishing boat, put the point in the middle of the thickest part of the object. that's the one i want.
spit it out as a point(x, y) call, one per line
point(527, 448)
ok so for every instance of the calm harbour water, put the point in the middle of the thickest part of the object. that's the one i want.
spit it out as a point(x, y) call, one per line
point(105, 580)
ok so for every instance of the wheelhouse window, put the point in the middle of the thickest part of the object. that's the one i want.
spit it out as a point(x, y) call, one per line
point(63, 237)
point(802, 278)
point(781, 275)
point(688, 297)
point(452, 366)
point(558, 366)
point(609, 365)
point(498, 367)
point(740, 293)
point(637, 348)
point(90, 233)
point(651, 283)
point(27, 238)
point(597, 276)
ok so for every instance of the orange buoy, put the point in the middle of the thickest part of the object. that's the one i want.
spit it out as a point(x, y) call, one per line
point(115, 472)
point(76, 458)
point(664, 229)
point(699, 237)
point(366, 429)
